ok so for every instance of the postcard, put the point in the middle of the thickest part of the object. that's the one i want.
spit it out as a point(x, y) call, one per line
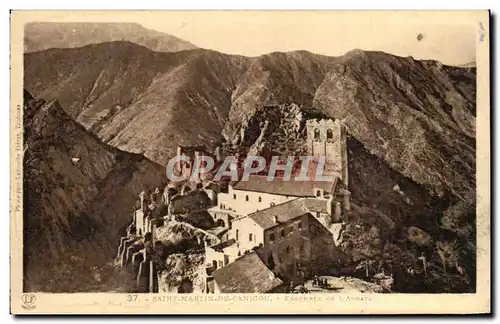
point(250, 162)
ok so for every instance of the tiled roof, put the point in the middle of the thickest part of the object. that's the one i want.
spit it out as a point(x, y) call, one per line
point(292, 188)
point(316, 205)
point(218, 231)
point(247, 274)
point(223, 245)
point(284, 213)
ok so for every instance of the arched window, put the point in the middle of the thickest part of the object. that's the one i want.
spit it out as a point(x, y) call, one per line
point(316, 133)
point(318, 193)
point(250, 237)
point(260, 199)
point(246, 198)
point(234, 196)
point(329, 134)
point(282, 233)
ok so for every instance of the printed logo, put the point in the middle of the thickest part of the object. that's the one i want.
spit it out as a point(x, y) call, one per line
point(28, 301)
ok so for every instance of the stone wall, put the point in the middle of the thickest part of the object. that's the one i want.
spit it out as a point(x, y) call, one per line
point(246, 202)
point(289, 253)
point(241, 229)
point(328, 138)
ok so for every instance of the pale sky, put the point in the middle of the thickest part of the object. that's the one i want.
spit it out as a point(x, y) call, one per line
point(323, 33)
point(449, 37)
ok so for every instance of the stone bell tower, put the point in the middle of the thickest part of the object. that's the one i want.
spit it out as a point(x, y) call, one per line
point(328, 138)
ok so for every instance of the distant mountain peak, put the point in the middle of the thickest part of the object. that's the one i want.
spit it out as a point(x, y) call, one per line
point(40, 36)
point(471, 64)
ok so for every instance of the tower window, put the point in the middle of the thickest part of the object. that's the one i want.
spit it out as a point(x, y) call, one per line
point(318, 193)
point(316, 133)
point(260, 199)
point(329, 134)
point(282, 233)
point(246, 198)
point(250, 237)
point(234, 196)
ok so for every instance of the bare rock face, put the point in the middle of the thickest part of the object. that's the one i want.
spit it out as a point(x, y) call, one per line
point(138, 100)
point(273, 130)
point(183, 273)
point(415, 115)
point(291, 77)
point(73, 209)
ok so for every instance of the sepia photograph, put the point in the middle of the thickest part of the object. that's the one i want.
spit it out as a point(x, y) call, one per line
point(160, 155)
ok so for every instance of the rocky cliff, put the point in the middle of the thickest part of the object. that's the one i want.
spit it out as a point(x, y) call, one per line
point(79, 194)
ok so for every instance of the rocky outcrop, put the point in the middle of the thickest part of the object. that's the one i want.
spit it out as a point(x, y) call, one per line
point(180, 269)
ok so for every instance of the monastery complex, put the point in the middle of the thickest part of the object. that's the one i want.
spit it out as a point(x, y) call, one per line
point(269, 235)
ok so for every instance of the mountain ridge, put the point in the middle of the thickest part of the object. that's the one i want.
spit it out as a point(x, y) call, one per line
point(410, 123)
point(216, 93)
point(40, 36)
point(78, 196)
